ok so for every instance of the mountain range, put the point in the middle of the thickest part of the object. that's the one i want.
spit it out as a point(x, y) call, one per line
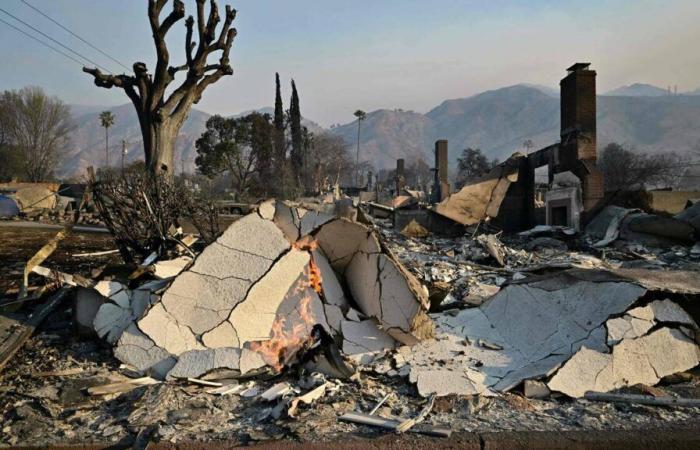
point(496, 121)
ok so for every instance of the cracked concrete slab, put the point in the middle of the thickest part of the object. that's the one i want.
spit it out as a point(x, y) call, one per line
point(340, 239)
point(442, 382)
point(363, 340)
point(526, 331)
point(166, 332)
point(255, 236)
point(253, 318)
point(136, 349)
point(287, 219)
point(111, 320)
point(221, 262)
point(208, 299)
point(108, 288)
point(195, 363)
point(170, 268)
point(256, 283)
point(661, 311)
point(643, 360)
point(638, 321)
point(312, 220)
point(332, 289)
point(383, 291)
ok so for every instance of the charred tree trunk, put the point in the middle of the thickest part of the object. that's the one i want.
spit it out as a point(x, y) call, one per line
point(161, 118)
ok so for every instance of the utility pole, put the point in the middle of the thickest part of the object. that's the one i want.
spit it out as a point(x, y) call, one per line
point(124, 151)
point(360, 117)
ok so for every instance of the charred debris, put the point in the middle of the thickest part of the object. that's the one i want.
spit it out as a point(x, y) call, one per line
point(402, 310)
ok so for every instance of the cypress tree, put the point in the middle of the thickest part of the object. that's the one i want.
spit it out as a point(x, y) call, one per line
point(280, 147)
point(297, 155)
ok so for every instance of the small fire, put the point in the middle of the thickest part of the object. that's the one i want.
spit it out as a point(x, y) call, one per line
point(315, 278)
point(306, 243)
point(283, 344)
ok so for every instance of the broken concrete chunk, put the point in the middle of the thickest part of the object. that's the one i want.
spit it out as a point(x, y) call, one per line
point(111, 320)
point(642, 360)
point(638, 321)
point(221, 262)
point(441, 382)
point(258, 287)
point(626, 327)
point(136, 349)
point(195, 363)
point(87, 303)
point(535, 389)
point(207, 299)
point(224, 335)
point(255, 236)
point(384, 291)
point(661, 311)
point(253, 318)
point(340, 239)
point(166, 332)
point(287, 219)
point(170, 268)
point(250, 361)
point(312, 220)
point(526, 331)
point(109, 288)
point(266, 210)
point(332, 289)
point(364, 339)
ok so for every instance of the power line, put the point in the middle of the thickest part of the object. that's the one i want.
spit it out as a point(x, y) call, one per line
point(41, 42)
point(75, 35)
point(54, 40)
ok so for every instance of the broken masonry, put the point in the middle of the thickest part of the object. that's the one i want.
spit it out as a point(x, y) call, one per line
point(252, 298)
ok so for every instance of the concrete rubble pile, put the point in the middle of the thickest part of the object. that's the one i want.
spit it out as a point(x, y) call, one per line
point(252, 298)
point(582, 330)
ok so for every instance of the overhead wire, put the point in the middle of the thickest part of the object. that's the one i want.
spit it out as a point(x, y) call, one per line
point(41, 42)
point(55, 41)
point(74, 34)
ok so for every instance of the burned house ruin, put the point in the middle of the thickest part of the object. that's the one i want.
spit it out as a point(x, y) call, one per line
point(507, 194)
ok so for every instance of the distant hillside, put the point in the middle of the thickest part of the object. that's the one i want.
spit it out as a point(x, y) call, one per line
point(638, 90)
point(497, 121)
point(88, 140)
point(389, 135)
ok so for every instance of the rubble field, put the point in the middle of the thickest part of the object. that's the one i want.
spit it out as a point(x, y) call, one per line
point(302, 326)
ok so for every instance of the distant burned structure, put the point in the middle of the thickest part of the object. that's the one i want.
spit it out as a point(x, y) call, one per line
point(576, 153)
point(507, 193)
point(441, 187)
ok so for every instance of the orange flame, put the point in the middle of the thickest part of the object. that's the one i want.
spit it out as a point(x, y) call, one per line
point(306, 243)
point(283, 344)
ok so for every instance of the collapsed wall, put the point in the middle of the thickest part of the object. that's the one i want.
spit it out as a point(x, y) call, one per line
point(252, 298)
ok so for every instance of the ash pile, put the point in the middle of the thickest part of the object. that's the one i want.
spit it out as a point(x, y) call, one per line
point(314, 321)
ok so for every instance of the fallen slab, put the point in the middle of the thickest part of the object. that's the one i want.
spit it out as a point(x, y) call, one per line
point(525, 331)
point(643, 360)
point(260, 289)
point(482, 199)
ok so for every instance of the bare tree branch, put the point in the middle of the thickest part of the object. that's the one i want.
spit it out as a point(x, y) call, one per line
point(157, 113)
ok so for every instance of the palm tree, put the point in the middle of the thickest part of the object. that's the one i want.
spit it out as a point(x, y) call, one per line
point(360, 117)
point(107, 120)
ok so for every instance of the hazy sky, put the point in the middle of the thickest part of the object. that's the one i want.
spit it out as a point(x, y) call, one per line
point(369, 54)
